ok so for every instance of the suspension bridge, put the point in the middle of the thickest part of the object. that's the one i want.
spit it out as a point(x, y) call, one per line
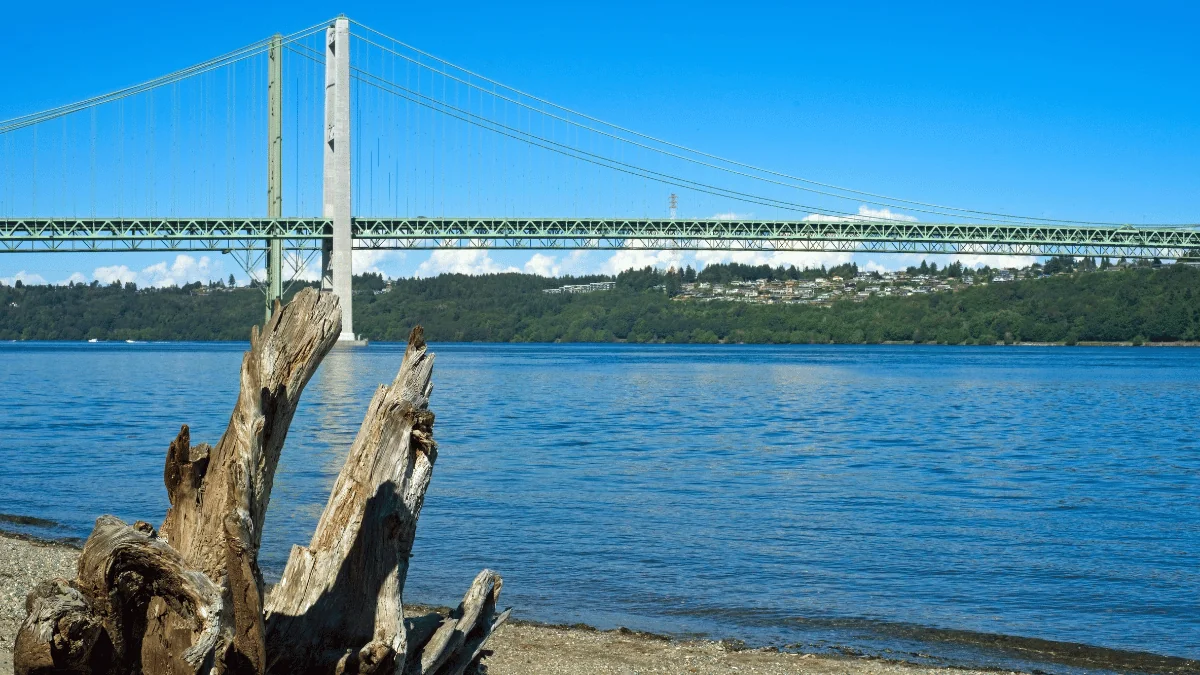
point(383, 140)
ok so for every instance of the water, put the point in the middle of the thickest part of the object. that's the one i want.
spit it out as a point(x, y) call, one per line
point(905, 501)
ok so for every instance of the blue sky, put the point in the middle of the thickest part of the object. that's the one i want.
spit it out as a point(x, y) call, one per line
point(1066, 110)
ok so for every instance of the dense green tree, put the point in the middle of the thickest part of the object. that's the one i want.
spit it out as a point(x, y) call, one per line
point(371, 281)
point(1141, 303)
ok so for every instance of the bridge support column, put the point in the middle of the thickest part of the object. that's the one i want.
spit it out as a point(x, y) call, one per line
point(336, 257)
point(275, 169)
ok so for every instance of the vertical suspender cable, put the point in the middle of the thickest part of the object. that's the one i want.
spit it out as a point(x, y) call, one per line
point(174, 92)
point(228, 146)
point(419, 164)
point(121, 158)
point(302, 122)
point(64, 167)
point(356, 156)
point(392, 195)
point(501, 181)
point(203, 151)
point(408, 130)
point(151, 155)
point(296, 143)
point(248, 163)
point(243, 165)
point(505, 168)
point(91, 163)
point(33, 174)
point(442, 152)
point(356, 176)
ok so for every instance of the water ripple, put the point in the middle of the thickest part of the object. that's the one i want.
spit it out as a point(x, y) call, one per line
point(779, 494)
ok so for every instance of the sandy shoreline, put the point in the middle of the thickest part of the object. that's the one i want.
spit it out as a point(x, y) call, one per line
point(520, 648)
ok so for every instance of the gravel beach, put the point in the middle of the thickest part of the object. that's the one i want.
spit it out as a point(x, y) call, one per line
point(520, 648)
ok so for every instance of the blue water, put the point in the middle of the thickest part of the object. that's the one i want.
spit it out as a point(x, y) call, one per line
point(790, 495)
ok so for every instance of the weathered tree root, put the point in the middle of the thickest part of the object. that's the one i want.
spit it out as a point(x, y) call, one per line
point(189, 598)
point(96, 622)
point(457, 643)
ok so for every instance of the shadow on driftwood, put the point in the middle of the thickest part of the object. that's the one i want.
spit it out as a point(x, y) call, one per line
point(338, 618)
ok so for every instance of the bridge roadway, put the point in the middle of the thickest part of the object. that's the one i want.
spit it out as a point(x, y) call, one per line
point(252, 234)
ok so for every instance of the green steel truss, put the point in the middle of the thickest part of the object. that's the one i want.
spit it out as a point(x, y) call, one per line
point(157, 234)
point(250, 234)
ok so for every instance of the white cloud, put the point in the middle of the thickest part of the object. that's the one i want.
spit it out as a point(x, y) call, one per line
point(38, 280)
point(577, 262)
point(543, 265)
point(23, 277)
point(714, 256)
point(460, 261)
point(869, 213)
point(185, 269)
point(107, 275)
point(374, 260)
point(639, 258)
point(730, 215)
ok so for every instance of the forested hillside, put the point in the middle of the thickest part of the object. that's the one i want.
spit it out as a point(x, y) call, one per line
point(1159, 303)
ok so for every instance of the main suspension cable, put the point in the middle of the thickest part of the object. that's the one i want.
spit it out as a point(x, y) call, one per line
point(600, 160)
point(886, 201)
point(534, 140)
point(226, 59)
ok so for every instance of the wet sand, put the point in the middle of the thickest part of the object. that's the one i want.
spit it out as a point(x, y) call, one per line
point(548, 650)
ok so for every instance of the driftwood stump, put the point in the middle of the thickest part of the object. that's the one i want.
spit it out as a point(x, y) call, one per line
point(189, 597)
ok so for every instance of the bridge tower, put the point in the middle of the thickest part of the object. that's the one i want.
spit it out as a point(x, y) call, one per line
point(336, 255)
point(274, 169)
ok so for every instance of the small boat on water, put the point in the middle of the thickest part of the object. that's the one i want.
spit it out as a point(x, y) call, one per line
point(93, 340)
point(135, 342)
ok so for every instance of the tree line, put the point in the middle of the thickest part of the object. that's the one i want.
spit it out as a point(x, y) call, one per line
point(1083, 303)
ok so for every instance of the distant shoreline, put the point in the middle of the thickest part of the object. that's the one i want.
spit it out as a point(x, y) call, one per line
point(1155, 305)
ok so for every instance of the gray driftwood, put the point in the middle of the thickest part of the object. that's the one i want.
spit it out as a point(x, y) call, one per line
point(189, 597)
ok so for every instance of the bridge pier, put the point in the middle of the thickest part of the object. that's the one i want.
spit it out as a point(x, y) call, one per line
point(337, 254)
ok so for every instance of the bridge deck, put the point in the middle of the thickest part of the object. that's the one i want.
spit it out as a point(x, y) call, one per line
point(244, 234)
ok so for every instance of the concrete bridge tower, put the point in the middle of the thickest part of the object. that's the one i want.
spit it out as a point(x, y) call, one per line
point(337, 255)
